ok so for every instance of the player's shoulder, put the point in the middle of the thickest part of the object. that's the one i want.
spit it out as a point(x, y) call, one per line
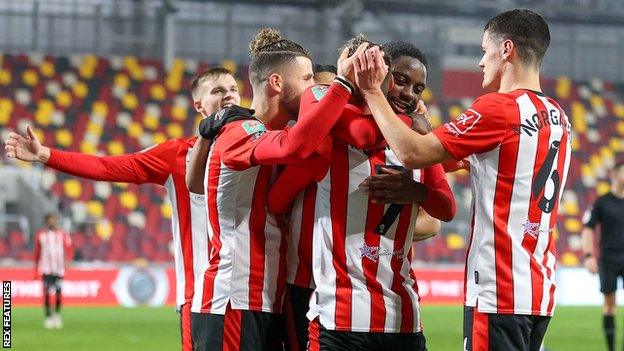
point(242, 129)
point(495, 99)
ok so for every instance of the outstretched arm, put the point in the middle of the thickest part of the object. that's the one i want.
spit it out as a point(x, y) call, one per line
point(152, 165)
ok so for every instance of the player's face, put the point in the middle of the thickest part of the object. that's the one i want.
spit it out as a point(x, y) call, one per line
point(298, 76)
point(617, 176)
point(410, 79)
point(52, 222)
point(492, 62)
point(218, 93)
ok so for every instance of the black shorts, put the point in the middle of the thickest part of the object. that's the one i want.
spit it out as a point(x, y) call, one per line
point(322, 339)
point(52, 282)
point(502, 332)
point(238, 330)
point(185, 327)
point(609, 273)
point(296, 305)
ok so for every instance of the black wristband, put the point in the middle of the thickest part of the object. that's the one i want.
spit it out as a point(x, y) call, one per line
point(342, 80)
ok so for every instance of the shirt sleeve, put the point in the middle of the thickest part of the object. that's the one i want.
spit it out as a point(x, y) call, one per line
point(480, 128)
point(593, 215)
point(313, 126)
point(152, 165)
point(440, 201)
point(294, 179)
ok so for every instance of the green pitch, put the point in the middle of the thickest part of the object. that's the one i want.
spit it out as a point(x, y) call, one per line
point(120, 329)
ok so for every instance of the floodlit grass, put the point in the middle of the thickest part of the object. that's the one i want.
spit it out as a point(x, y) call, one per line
point(120, 329)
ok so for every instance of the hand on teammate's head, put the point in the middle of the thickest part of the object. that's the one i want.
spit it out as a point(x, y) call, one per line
point(346, 63)
point(370, 69)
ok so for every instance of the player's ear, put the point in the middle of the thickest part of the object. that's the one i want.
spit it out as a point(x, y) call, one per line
point(275, 83)
point(197, 106)
point(508, 48)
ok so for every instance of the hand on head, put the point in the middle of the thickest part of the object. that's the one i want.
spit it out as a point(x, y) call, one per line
point(370, 69)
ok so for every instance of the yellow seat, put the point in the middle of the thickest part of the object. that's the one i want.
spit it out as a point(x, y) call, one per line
point(570, 208)
point(72, 188)
point(95, 209)
point(573, 225)
point(165, 210)
point(158, 92)
point(64, 99)
point(245, 102)
point(100, 108)
point(128, 200)
point(5, 77)
point(95, 128)
point(80, 89)
point(620, 127)
point(47, 69)
point(159, 138)
point(455, 241)
point(602, 188)
point(135, 129)
point(618, 110)
point(615, 144)
point(179, 113)
point(87, 148)
point(150, 121)
point(129, 101)
point(578, 117)
point(104, 229)
point(115, 147)
point(175, 130)
point(121, 80)
point(230, 65)
point(64, 137)
point(454, 111)
point(426, 96)
point(563, 87)
point(6, 108)
point(30, 78)
point(570, 260)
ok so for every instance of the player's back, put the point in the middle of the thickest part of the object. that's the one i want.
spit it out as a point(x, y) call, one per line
point(517, 179)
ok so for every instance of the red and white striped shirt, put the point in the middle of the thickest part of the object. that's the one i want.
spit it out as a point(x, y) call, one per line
point(163, 164)
point(247, 265)
point(300, 231)
point(519, 146)
point(52, 249)
point(364, 280)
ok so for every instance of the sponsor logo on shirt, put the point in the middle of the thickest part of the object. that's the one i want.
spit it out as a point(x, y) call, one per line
point(319, 91)
point(374, 252)
point(463, 123)
point(254, 128)
point(533, 229)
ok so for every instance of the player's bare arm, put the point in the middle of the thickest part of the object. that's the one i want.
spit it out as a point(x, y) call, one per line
point(426, 226)
point(587, 239)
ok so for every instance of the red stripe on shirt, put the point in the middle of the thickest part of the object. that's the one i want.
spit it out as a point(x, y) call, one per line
point(257, 242)
point(370, 267)
point(303, 276)
point(507, 159)
point(407, 314)
point(338, 198)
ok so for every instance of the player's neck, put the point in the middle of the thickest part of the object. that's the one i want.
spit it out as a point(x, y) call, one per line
point(520, 77)
point(618, 190)
point(269, 112)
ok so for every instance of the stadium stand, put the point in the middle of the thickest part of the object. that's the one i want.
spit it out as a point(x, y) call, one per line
point(123, 104)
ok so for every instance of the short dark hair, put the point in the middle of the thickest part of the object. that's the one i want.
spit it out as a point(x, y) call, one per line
point(325, 68)
point(398, 48)
point(205, 75)
point(49, 215)
point(268, 50)
point(618, 165)
point(526, 29)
